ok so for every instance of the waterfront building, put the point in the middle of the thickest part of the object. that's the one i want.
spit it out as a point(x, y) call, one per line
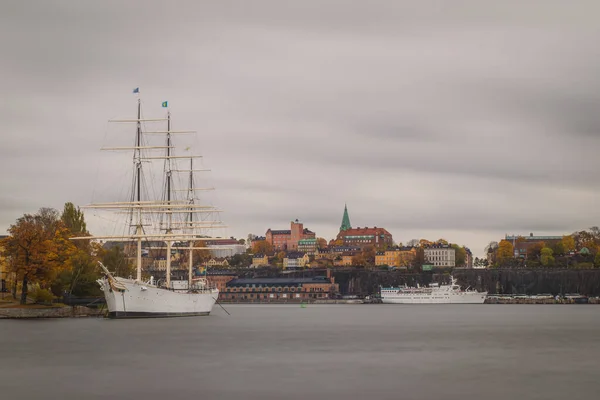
point(440, 255)
point(220, 278)
point(280, 289)
point(522, 243)
point(288, 239)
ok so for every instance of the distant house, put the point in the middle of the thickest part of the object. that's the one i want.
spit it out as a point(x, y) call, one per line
point(259, 260)
point(441, 255)
point(522, 243)
point(295, 260)
point(398, 257)
point(287, 239)
point(218, 261)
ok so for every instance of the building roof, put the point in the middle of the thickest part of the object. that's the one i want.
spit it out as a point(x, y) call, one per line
point(345, 220)
point(280, 232)
point(278, 281)
point(531, 237)
point(294, 255)
point(364, 232)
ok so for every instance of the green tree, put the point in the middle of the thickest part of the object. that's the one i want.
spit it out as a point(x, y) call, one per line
point(460, 254)
point(597, 260)
point(419, 259)
point(74, 220)
point(117, 262)
point(546, 257)
point(534, 251)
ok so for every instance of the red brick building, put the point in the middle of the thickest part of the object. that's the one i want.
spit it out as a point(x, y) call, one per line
point(280, 289)
point(361, 237)
point(288, 239)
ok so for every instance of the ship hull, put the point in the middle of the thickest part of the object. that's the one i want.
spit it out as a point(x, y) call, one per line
point(140, 300)
point(463, 298)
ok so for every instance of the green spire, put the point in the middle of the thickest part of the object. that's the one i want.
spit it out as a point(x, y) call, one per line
point(345, 220)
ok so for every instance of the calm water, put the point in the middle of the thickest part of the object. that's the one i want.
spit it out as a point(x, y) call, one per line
point(321, 352)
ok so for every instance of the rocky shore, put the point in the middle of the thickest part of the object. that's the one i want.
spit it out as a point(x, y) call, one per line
point(29, 312)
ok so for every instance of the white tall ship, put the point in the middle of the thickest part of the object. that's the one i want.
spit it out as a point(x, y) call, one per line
point(165, 219)
point(433, 294)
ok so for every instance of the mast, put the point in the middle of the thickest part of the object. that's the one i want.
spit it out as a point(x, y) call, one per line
point(191, 221)
point(168, 189)
point(138, 153)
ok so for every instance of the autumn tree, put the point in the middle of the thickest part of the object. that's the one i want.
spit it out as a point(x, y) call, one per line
point(262, 247)
point(321, 243)
point(505, 252)
point(568, 243)
point(38, 248)
point(80, 279)
point(534, 251)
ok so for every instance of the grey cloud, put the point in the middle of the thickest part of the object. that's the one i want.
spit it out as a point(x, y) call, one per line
point(470, 119)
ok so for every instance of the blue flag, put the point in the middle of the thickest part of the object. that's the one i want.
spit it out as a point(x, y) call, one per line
point(136, 90)
point(165, 104)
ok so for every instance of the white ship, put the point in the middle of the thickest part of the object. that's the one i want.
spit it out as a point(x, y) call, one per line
point(161, 218)
point(433, 294)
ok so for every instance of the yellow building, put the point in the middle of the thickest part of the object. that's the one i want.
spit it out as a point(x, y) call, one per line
point(218, 262)
point(6, 277)
point(260, 260)
point(400, 257)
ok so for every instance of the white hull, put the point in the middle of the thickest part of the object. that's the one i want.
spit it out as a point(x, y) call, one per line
point(141, 300)
point(446, 298)
point(434, 294)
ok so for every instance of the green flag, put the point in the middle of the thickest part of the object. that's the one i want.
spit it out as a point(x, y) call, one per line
point(165, 104)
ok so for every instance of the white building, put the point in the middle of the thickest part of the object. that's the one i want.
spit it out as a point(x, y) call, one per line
point(227, 250)
point(441, 256)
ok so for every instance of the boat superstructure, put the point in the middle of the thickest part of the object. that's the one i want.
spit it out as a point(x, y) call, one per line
point(172, 219)
point(432, 294)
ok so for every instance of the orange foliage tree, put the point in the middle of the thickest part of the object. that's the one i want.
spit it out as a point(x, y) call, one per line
point(38, 248)
point(505, 252)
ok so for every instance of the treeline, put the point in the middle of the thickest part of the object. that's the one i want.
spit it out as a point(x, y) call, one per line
point(580, 250)
point(40, 254)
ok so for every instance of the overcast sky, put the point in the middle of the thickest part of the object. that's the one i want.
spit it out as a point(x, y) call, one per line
point(457, 119)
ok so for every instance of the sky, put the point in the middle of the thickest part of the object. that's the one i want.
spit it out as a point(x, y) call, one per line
point(463, 120)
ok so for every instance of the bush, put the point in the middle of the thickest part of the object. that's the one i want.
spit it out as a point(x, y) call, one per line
point(42, 296)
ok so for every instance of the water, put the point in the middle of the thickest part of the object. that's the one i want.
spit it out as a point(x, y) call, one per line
point(317, 352)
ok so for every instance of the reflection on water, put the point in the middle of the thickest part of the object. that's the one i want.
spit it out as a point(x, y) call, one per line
point(318, 352)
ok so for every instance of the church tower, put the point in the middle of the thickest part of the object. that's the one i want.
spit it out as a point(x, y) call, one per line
point(345, 220)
